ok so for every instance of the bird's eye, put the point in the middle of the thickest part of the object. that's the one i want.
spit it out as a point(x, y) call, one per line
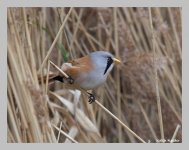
point(109, 60)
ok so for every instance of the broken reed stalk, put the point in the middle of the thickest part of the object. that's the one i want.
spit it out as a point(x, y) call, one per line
point(156, 76)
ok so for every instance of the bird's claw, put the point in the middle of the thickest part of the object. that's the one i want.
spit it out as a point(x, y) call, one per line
point(91, 98)
point(70, 80)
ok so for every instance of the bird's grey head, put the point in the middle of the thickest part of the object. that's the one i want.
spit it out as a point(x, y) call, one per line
point(103, 61)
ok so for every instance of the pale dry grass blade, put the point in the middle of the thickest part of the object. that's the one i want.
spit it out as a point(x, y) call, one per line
point(59, 132)
point(148, 121)
point(119, 121)
point(72, 133)
point(13, 126)
point(62, 72)
point(80, 116)
point(65, 134)
point(118, 72)
point(156, 78)
point(175, 134)
point(175, 32)
point(33, 65)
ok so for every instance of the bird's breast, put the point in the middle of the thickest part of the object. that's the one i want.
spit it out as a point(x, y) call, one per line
point(90, 80)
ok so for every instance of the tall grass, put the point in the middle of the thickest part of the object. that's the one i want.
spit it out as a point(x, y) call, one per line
point(141, 100)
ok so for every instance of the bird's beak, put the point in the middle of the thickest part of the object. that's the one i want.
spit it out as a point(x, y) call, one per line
point(117, 61)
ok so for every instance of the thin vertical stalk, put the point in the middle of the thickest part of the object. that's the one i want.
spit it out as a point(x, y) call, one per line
point(118, 74)
point(156, 77)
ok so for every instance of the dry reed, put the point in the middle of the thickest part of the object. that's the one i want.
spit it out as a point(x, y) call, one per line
point(142, 96)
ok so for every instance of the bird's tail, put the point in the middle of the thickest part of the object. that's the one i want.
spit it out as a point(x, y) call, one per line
point(52, 77)
point(58, 78)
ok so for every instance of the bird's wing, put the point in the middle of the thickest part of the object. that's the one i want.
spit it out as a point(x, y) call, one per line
point(77, 66)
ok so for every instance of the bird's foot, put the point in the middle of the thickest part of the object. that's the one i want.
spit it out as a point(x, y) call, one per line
point(91, 98)
point(70, 80)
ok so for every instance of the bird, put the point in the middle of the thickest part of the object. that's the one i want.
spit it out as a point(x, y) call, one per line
point(88, 72)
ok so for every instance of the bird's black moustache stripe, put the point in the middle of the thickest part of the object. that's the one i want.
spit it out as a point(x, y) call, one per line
point(109, 62)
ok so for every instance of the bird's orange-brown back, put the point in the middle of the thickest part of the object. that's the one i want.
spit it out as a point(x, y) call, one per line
point(79, 65)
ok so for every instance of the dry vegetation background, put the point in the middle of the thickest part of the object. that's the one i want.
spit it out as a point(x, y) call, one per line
point(144, 92)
